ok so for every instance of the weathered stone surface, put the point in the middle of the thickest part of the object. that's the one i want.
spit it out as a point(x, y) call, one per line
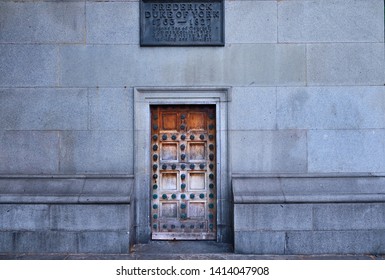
point(108, 186)
point(107, 242)
point(268, 151)
point(113, 23)
point(96, 65)
point(237, 64)
point(345, 64)
point(348, 216)
point(256, 22)
point(6, 241)
point(45, 242)
point(65, 190)
point(264, 64)
point(29, 152)
point(330, 107)
point(336, 242)
point(43, 109)
point(331, 21)
point(307, 188)
point(346, 150)
point(24, 217)
point(259, 242)
point(28, 65)
point(252, 108)
point(42, 22)
point(111, 109)
point(105, 152)
point(250, 217)
point(89, 217)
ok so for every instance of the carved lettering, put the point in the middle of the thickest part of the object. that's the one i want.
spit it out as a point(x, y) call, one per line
point(195, 22)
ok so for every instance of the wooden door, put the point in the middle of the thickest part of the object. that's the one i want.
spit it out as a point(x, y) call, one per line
point(183, 159)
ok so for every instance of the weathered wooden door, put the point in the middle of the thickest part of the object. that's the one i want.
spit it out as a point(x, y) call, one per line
point(183, 159)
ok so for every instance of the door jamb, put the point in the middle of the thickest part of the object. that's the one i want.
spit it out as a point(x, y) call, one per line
point(143, 98)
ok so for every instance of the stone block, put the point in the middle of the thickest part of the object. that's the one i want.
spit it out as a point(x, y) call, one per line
point(122, 187)
point(348, 216)
point(252, 108)
point(259, 242)
point(346, 150)
point(42, 22)
point(307, 188)
point(113, 23)
point(272, 217)
point(6, 241)
point(237, 64)
point(28, 65)
point(256, 22)
point(268, 151)
point(96, 65)
point(331, 107)
point(89, 217)
point(43, 109)
point(105, 152)
point(345, 64)
point(335, 242)
point(24, 217)
point(41, 186)
point(264, 64)
point(29, 152)
point(181, 66)
point(111, 109)
point(331, 21)
point(104, 242)
point(45, 242)
point(65, 190)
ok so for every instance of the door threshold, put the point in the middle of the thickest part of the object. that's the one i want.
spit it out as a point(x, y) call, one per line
point(182, 247)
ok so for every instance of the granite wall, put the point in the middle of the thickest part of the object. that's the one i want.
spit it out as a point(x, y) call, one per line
point(307, 97)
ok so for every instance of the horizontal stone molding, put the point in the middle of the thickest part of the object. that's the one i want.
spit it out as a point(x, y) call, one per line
point(308, 188)
point(66, 189)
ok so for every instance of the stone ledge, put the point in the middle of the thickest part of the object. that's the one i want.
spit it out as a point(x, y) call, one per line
point(307, 188)
point(68, 189)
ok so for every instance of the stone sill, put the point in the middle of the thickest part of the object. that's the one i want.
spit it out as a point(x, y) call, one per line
point(308, 188)
point(66, 189)
point(52, 199)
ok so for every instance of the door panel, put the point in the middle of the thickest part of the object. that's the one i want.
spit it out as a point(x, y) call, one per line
point(183, 191)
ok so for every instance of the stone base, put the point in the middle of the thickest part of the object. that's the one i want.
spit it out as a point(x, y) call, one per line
point(65, 213)
point(341, 215)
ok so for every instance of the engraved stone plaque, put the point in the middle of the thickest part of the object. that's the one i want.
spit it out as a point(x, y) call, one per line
point(182, 23)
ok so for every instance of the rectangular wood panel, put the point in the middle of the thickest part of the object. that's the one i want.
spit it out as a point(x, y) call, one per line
point(183, 159)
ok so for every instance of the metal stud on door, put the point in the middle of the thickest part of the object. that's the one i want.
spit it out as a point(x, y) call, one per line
point(183, 160)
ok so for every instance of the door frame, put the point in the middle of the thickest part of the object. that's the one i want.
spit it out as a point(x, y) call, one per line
point(144, 97)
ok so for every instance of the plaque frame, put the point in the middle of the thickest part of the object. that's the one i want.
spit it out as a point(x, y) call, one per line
point(151, 42)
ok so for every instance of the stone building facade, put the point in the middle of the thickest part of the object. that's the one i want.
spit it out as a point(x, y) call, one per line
point(298, 98)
